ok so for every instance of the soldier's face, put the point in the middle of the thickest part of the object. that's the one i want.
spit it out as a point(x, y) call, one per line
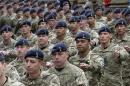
point(25, 29)
point(33, 65)
point(91, 20)
point(2, 68)
point(105, 37)
point(60, 31)
point(6, 35)
point(82, 45)
point(121, 29)
point(51, 23)
point(82, 23)
point(99, 12)
point(118, 15)
point(43, 39)
point(59, 59)
point(21, 50)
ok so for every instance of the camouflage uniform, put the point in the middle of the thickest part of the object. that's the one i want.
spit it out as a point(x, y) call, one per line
point(10, 82)
point(8, 47)
point(112, 73)
point(98, 25)
point(95, 61)
point(125, 64)
point(70, 75)
point(46, 79)
point(19, 65)
point(32, 40)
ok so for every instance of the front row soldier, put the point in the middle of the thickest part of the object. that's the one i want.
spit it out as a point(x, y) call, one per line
point(90, 62)
point(69, 74)
point(5, 80)
point(34, 60)
point(113, 56)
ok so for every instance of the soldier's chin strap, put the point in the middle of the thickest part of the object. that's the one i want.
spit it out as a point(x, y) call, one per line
point(5, 81)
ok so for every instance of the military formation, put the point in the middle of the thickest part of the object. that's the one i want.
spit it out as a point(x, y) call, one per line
point(64, 43)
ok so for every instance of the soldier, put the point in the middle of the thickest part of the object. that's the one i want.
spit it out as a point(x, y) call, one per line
point(69, 74)
point(26, 33)
point(91, 63)
point(121, 37)
point(93, 24)
point(74, 26)
point(43, 43)
point(113, 56)
point(61, 36)
point(26, 14)
point(99, 15)
point(8, 43)
point(5, 80)
point(22, 46)
point(34, 19)
point(34, 60)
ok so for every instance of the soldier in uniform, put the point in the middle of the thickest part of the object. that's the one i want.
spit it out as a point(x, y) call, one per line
point(90, 62)
point(5, 80)
point(113, 56)
point(99, 15)
point(34, 74)
point(22, 46)
point(8, 43)
point(43, 43)
point(121, 37)
point(69, 74)
point(61, 36)
point(74, 26)
point(26, 33)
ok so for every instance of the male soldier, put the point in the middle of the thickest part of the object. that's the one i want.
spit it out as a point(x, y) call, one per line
point(34, 19)
point(121, 37)
point(113, 56)
point(51, 21)
point(43, 43)
point(34, 60)
point(74, 26)
point(109, 15)
point(91, 63)
point(69, 74)
point(99, 15)
point(7, 43)
point(93, 24)
point(22, 46)
point(5, 80)
point(61, 36)
point(26, 14)
point(27, 34)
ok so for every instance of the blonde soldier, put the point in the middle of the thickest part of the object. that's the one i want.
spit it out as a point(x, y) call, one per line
point(34, 75)
point(5, 80)
point(91, 63)
point(27, 34)
point(121, 37)
point(61, 36)
point(69, 74)
point(113, 56)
